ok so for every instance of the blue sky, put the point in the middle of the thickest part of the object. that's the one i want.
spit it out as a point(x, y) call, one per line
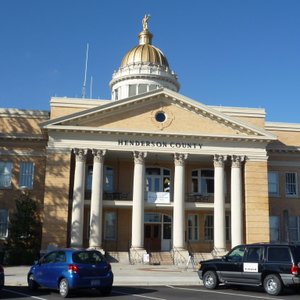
point(243, 53)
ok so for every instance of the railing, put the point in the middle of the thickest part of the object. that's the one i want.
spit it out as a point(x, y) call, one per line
point(191, 197)
point(115, 196)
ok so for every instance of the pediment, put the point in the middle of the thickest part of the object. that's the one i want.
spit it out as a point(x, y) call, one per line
point(178, 115)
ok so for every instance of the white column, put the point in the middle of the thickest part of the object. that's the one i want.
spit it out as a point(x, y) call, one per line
point(96, 200)
point(179, 203)
point(78, 198)
point(219, 204)
point(236, 201)
point(137, 235)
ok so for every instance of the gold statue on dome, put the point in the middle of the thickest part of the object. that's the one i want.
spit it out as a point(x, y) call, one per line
point(145, 22)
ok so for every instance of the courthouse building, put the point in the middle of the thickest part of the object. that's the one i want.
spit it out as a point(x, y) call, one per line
point(151, 170)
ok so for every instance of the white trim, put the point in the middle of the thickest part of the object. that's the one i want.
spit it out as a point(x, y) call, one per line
point(89, 129)
point(77, 102)
point(283, 126)
point(289, 164)
point(241, 111)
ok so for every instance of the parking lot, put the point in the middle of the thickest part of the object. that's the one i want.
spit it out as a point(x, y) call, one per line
point(151, 292)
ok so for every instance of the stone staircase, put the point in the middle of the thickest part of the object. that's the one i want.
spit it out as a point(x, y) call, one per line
point(161, 258)
point(156, 258)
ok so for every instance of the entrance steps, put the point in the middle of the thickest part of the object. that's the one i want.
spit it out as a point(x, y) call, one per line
point(161, 258)
point(156, 258)
point(199, 256)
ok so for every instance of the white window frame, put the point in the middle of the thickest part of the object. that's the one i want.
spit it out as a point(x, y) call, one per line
point(110, 226)
point(287, 184)
point(209, 228)
point(26, 175)
point(200, 179)
point(296, 228)
point(6, 174)
point(273, 182)
point(275, 229)
point(193, 227)
point(109, 188)
point(3, 223)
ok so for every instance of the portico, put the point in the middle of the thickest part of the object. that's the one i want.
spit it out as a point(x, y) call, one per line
point(178, 203)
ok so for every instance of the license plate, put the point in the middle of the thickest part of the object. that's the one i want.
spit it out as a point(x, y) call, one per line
point(95, 282)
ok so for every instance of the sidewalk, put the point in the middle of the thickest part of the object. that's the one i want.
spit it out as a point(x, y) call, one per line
point(125, 275)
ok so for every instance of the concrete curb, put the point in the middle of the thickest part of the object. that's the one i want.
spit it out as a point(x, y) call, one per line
point(124, 275)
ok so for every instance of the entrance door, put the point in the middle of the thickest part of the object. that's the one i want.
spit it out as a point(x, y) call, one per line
point(152, 234)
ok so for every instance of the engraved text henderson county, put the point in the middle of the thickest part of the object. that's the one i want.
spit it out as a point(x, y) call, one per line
point(160, 144)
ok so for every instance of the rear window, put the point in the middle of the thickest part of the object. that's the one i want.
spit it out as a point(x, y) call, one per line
point(279, 254)
point(87, 257)
point(297, 254)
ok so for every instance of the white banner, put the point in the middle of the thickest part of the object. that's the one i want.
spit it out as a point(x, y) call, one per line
point(158, 197)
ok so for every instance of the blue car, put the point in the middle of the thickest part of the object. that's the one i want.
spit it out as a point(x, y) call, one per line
point(68, 269)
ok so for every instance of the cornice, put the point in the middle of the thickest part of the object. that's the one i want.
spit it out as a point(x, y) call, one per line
point(22, 113)
point(92, 130)
point(282, 126)
point(22, 136)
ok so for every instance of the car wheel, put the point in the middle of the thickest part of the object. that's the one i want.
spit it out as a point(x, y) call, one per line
point(273, 285)
point(210, 280)
point(32, 285)
point(64, 288)
point(105, 291)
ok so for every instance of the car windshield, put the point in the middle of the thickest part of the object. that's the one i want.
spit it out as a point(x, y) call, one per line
point(87, 257)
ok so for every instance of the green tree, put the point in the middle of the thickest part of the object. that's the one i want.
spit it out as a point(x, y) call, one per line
point(24, 240)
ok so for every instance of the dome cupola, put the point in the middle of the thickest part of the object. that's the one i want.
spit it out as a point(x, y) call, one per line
point(143, 68)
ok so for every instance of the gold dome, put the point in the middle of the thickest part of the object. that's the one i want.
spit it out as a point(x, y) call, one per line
point(145, 52)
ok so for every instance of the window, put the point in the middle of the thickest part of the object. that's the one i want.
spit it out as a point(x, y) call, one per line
point(26, 175)
point(108, 179)
point(254, 254)
point(110, 226)
point(116, 91)
point(203, 182)
point(279, 254)
point(236, 254)
point(158, 180)
point(142, 88)
point(3, 223)
point(228, 228)
point(209, 228)
point(193, 228)
point(273, 183)
point(153, 87)
point(294, 227)
point(132, 90)
point(291, 188)
point(89, 178)
point(5, 174)
point(274, 228)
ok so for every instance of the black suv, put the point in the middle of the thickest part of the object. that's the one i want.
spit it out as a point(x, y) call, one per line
point(273, 266)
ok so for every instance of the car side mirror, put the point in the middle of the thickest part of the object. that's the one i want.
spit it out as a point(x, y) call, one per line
point(225, 258)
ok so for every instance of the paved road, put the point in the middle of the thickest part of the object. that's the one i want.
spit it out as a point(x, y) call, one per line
point(151, 293)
